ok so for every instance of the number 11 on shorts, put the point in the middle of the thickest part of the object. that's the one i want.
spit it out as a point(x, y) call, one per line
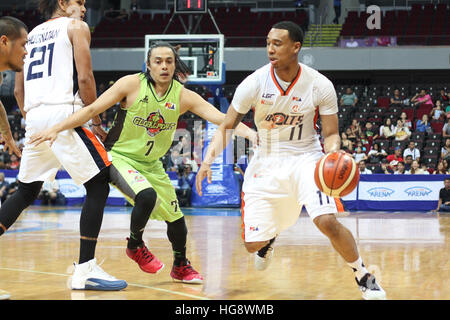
point(320, 198)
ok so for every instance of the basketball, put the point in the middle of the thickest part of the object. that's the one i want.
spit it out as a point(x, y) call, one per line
point(336, 174)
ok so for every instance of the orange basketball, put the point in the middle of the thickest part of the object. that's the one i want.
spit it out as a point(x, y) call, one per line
point(336, 174)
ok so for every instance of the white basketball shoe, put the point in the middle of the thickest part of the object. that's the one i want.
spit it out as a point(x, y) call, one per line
point(89, 276)
point(370, 289)
point(4, 295)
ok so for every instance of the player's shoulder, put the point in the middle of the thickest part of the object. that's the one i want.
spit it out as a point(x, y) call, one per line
point(256, 77)
point(319, 80)
point(77, 25)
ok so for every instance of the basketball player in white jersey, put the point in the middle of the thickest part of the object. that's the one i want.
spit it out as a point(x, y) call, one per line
point(287, 97)
point(56, 81)
point(13, 37)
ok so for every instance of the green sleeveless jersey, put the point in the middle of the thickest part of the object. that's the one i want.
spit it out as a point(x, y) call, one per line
point(145, 131)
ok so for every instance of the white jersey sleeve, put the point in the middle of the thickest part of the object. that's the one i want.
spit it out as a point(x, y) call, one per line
point(324, 96)
point(245, 95)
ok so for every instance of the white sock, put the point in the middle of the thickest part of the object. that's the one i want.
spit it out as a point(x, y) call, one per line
point(359, 268)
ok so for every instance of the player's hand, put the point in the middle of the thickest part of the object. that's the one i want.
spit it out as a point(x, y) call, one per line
point(99, 132)
point(10, 145)
point(46, 135)
point(204, 171)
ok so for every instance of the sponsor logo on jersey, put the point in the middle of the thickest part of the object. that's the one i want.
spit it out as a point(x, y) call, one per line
point(145, 100)
point(170, 106)
point(266, 102)
point(253, 228)
point(296, 99)
point(154, 123)
point(268, 95)
point(280, 118)
point(295, 108)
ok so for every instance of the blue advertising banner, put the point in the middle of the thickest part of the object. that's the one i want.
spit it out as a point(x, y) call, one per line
point(387, 192)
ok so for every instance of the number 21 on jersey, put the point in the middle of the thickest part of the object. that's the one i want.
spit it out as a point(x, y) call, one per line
point(41, 56)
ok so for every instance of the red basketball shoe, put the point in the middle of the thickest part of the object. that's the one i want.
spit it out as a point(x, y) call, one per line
point(145, 259)
point(185, 273)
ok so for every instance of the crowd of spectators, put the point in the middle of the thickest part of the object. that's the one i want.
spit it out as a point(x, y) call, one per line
point(402, 154)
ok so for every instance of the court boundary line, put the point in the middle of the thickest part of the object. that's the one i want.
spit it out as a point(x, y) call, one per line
point(129, 284)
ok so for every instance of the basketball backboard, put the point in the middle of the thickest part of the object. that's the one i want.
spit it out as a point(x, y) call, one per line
point(202, 53)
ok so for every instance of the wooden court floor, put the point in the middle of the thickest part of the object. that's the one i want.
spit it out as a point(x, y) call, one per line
point(408, 253)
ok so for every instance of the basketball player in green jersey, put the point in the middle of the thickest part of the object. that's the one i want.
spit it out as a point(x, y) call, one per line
point(143, 131)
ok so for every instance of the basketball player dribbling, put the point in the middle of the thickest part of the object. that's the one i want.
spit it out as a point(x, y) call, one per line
point(13, 37)
point(287, 97)
point(56, 81)
point(142, 133)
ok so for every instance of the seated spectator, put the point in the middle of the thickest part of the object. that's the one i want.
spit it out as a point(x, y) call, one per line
point(397, 99)
point(349, 98)
point(346, 143)
point(397, 155)
point(363, 169)
point(123, 15)
point(446, 129)
point(350, 135)
point(376, 154)
point(444, 197)
point(51, 195)
point(443, 96)
point(400, 168)
point(406, 121)
point(355, 127)
point(424, 125)
point(445, 149)
point(364, 142)
point(412, 151)
point(437, 113)
point(4, 185)
point(370, 133)
point(363, 147)
point(384, 168)
point(359, 155)
point(416, 169)
point(421, 98)
point(401, 132)
point(408, 162)
point(440, 168)
point(387, 130)
point(13, 163)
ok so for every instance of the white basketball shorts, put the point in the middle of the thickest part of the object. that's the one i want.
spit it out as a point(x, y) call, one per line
point(77, 150)
point(275, 190)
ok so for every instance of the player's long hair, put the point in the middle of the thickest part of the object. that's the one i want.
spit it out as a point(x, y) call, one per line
point(48, 7)
point(181, 69)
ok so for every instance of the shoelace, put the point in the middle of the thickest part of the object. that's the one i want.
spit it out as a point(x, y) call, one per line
point(145, 254)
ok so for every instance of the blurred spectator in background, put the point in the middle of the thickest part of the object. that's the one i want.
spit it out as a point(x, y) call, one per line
point(350, 135)
point(185, 182)
point(370, 133)
point(397, 155)
point(408, 162)
point(440, 168)
point(400, 168)
point(349, 98)
point(424, 125)
point(346, 143)
point(416, 168)
point(337, 11)
point(443, 96)
point(134, 6)
point(363, 169)
point(412, 151)
point(445, 150)
point(384, 168)
point(446, 129)
point(406, 122)
point(397, 99)
point(355, 127)
point(444, 197)
point(376, 154)
point(12, 188)
point(123, 15)
point(51, 195)
point(437, 113)
point(359, 155)
point(13, 163)
point(401, 132)
point(387, 130)
point(421, 98)
point(352, 43)
point(4, 185)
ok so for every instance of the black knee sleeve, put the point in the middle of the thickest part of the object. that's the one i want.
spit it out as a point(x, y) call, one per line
point(144, 203)
point(24, 196)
